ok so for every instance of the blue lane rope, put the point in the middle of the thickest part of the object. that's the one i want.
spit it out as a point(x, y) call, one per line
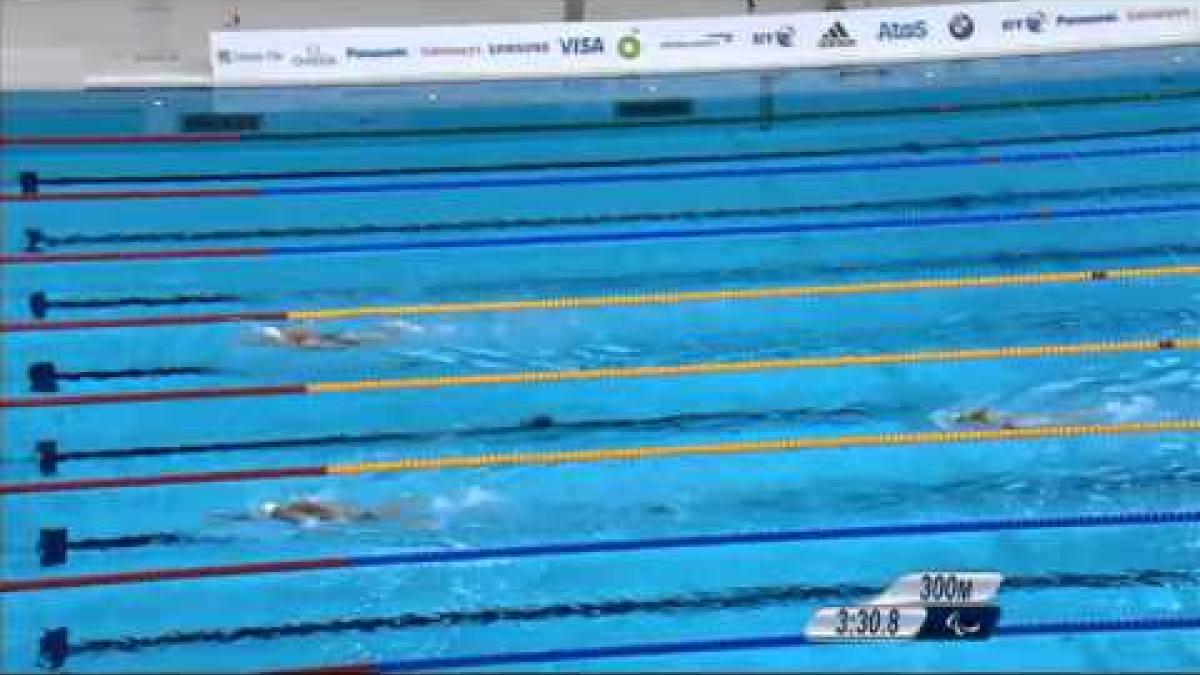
point(1138, 624)
point(785, 536)
point(739, 172)
point(749, 230)
point(620, 162)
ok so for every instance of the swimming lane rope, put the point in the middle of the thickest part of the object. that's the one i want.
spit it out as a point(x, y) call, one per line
point(663, 298)
point(637, 453)
point(907, 222)
point(1124, 519)
point(790, 640)
point(558, 376)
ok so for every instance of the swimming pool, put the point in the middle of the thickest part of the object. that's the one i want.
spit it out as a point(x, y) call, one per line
point(741, 311)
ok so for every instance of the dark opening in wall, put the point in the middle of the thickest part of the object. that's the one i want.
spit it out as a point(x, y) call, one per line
point(202, 122)
point(663, 107)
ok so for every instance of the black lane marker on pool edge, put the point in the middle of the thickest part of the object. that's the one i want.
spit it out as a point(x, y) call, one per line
point(44, 376)
point(37, 241)
point(29, 182)
point(55, 647)
point(49, 456)
point(40, 305)
point(55, 542)
point(1046, 139)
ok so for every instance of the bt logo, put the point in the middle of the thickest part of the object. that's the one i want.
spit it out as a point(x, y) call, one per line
point(914, 30)
point(1034, 23)
point(784, 37)
point(582, 45)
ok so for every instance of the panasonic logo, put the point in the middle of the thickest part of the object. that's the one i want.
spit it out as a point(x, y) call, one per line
point(1067, 20)
point(356, 53)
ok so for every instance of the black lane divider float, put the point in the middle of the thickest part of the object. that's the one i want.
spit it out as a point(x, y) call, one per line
point(33, 180)
point(55, 543)
point(38, 241)
point(55, 647)
point(40, 304)
point(49, 456)
point(44, 376)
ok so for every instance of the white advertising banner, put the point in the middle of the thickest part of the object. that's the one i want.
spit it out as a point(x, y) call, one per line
point(381, 55)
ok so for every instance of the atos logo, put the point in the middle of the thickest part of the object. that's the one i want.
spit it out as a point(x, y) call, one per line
point(894, 31)
point(581, 46)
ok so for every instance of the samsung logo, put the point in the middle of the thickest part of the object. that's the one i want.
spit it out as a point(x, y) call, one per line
point(1164, 14)
point(450, 51)
point(519, 48)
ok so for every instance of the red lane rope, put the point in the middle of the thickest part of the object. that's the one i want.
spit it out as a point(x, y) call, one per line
point(171, 574)
point(130, 194)
point(146, 396)
point(140, 322)
point(164, 479)
point(209, 137)
point(34, 258)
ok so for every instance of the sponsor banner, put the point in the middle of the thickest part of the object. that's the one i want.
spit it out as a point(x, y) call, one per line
point(769, 41)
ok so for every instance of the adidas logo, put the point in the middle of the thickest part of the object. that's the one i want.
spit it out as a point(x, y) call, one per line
point(836, 36)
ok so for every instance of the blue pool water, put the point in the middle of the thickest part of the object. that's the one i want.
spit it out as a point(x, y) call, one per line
point(535, 191)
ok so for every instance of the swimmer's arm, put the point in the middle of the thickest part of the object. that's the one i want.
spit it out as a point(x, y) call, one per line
point(234, 516)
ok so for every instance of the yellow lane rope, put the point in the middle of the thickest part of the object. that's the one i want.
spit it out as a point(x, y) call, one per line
point(711, 368)
point(671, 298)
point(748, 447)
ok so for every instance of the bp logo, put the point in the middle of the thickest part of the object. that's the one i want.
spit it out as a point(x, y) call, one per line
point(962, 26)
point(629, 47)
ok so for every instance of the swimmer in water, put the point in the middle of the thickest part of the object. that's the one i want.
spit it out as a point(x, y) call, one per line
point(984, 417)
point(305, 338)
point(307, 512)
point(411, 512)
point(990, 419)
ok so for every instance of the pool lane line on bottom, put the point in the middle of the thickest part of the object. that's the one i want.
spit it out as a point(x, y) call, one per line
point(709, 646)
point(456, 555)
point(1042, 214)
point(593, 374)
point(636, 453)
point(664, 298)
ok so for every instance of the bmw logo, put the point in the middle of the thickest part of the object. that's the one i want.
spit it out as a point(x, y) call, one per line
point(1036, 22)
point(962, 26)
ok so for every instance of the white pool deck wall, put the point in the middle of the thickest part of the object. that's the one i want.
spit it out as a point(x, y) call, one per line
point(74, 44)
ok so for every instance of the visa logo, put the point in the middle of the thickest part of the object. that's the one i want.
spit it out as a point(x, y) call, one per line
point(582, 45)
point(916, 30)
